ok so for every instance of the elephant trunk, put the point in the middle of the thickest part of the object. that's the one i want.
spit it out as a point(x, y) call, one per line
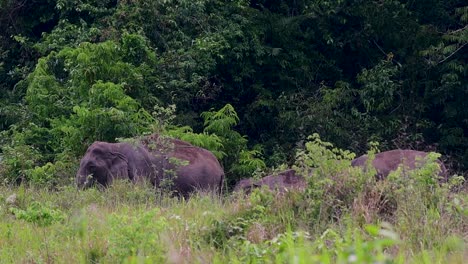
point(84, 180)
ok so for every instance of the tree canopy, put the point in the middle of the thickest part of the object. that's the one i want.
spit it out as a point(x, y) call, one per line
point(249, 80)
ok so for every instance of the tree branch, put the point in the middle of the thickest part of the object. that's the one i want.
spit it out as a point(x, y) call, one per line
point(458, 30)
point(386, 54)
point(453, 53)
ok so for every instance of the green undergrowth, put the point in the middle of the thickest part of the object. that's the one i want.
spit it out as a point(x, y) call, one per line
point(136, 224)
point(344, 215)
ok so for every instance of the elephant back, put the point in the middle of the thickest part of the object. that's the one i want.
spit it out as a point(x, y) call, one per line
point(195, 167)
point(388, 161)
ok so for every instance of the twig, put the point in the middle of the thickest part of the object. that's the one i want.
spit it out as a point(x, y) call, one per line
point(458, 30)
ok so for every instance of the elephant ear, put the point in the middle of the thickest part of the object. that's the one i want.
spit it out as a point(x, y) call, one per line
point(119, 166)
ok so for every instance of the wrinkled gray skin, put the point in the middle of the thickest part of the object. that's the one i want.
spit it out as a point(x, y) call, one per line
point(281, 182)
point(388, 161)
point(104, 162)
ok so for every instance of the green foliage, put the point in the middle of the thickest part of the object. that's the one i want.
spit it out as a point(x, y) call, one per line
point(249, 161)
point(208, 141)
point(221, 121)
point(333, 186)
point(66, 79)
point(66, 34)
point(228, 145)
point(355, 247)
point(39, 214)
point(446, 59)
point(76, 96)
point(379, 90)
point(109, 113)
point(241, 161)
point(322, 155)
point(17, 160)
point(405, 198)
point(332, 247)
point(91, 8)
point(134, 236)
point(128, 223)
point(289, 69)
point(235, 227)
point(43, 175)
point(420, 192)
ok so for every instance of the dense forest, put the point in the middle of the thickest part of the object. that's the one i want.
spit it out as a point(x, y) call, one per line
point(249, 80)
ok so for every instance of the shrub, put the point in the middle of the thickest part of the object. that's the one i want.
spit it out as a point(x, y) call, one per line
point(39, 214)
point(75, 96)
point(18, 159)
point(227, 144)
point(355, 246)
point(332, 184)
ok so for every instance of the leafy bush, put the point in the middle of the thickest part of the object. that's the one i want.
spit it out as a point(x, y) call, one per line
point(336, 190)
point(212, 142)
point(76, 96)
point(17, 160)
point(330, 247)
point(39, 214)
point(119, 116)
point(332, 184)
point(81, 94)
point(43, 175)
point(233, 228)
point(241, 161)
point(420, 198)
point(227, 144)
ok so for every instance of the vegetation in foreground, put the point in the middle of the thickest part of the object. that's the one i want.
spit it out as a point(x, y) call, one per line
point(344, 216)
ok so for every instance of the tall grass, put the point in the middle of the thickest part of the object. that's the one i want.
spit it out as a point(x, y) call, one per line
point(344, 216)
point(134, 224)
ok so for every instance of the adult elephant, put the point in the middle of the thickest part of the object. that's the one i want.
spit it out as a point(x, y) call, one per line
point(162, 161)
point(281, 182)
point(388, 161)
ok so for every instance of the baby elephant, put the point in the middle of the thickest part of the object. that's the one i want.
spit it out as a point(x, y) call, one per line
point(281, 182)
point(388, 161)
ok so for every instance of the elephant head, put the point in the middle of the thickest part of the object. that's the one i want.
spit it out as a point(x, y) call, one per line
point(102, 163)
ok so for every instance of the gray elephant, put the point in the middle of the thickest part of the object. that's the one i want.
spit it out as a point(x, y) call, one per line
point(160, 160)
point(281, 182)
point(388, 161)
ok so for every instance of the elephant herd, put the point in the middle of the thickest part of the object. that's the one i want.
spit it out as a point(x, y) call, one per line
point(184, 168)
